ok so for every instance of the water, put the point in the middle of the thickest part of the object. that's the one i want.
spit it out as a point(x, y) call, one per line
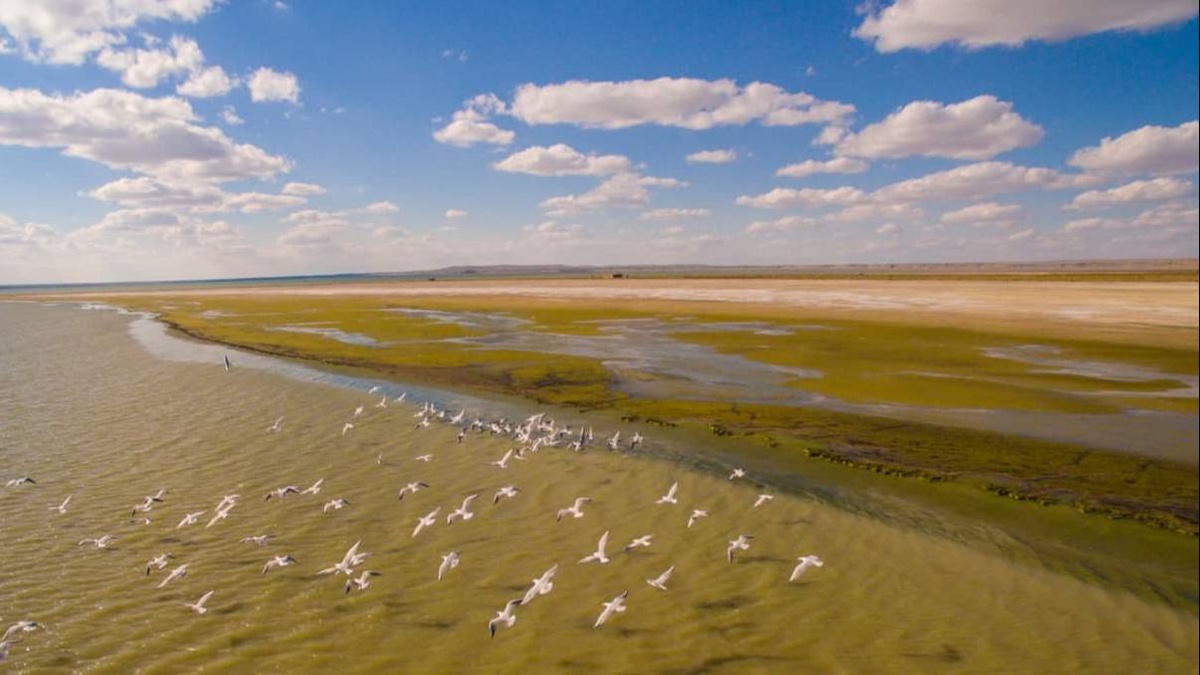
point(90, 412)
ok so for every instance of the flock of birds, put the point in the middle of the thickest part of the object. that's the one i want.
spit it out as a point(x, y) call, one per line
point(534, 434)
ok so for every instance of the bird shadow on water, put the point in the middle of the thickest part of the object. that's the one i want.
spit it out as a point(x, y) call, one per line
point(764, 559)
point(735, 602)
point(736, 660)
point(947, 654)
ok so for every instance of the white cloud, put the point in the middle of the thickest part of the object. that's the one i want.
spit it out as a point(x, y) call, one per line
point(991, 214)
point(975, 181)
point(812, 166)
point(978, 128)
point(624, 190)
point(258, 202)
point(317, 233)
point(1172, 215)
point(889, 229)
point(124, 130)
point(455, 213)
point(379, 208)
point(675, 214)
point(144, 68)
point(561, 160)
point(1156, 189)
point(785, 224)
point(1081, 224)
point(146, 193)
point(554, 232)
point(470, 125)
point(925, 24)
point(229, 116)
point(711, 157)
point(863, 212)
point(1150, 149)
point(207, 83)
point(1022, 235)
point(303, 189)
point(675, 102)
point(271, 85)
point(786, 198)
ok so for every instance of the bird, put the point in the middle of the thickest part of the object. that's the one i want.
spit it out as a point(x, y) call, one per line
point(22, 626)
point(277, 426)
point(639, 542)
point(737, 473)
point(349, 561)
point(599, 554)
point(411, 488)
point(315, 488)
point(400, 398)
point(503, 461)
point(373, 389)
point(382, 403)
point(101, 542)
point(190, 519)
point(763, 499)
point(449, 562)
point(335, 504)
point(660, 582)
point(636, 440)
point(198, 606)
point(282, 492)
point(227, 364)
point(424, 458)
point(575, 509)
point(157, 562)
point(62, 508)
point(278, 561)
point(177, 573)
point(358, 411)
point(612, 442)
point(506, 491)
point(221, 514)
point(669, 498)
point(742, 543)
point(259, 540)
point(462, 511)
point(361, 583)
point(805, 562)
point(614, 606)
point(504, 616)
point(697, 514)
point(426, 521)
point(346, 427)
point(23, 480)
point(541, 585)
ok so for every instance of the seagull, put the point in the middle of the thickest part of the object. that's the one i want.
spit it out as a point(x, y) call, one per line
point(282, 492)
point(278, 561)
point(503, 461)
point(358, 411)
point(145, 507)
point(426, 521)
point(612, 442)
point(102, 542)
point(227, 364)
point(227, 500)
point(198, 606)
point(639, 542)
point(611, 607)
point(661, 581)
point(346, 427)
point(763, 499)
point(506, 491)
point(62, 508)
point(177, 573)
point(449, 562)
point(260, 540)
point(346, 566)
point(504, 616)
point(23, 626)
point(400, 398)
point(541, 585)
point(459, 417)
point(20, 481)
point(190, 519)
point(277, 426)
point(737, 473)
point(221, 514)
point(382, 403)
point(423, 458)
point(411, 488)
point(636, 440)
point(158, 562)
point(335, 504)
point(805, 562)
point(462, 511)
point(697, 514)
point(575, 509)
point(314, 489)
point(373, 389)
point(741, 543)
point(669, 498)
point(598, 555)
point(361, 583)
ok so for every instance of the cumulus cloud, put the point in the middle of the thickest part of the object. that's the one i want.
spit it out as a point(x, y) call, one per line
point(471, 125)
point(786, 198)
point(863, 212)
point(266, 85)
point(712, 157)
point(674, 214)
point(925, 24)
point(785, 224)
point(975, 181)
point(303, 189)
point(229, 116)
point(554, 232)
point(145, 195)
point(1156, 189)
point(986, 214)
point(144, 68)
point(561, 160)
point(1150, 149)
point(812, 166)
point(624, 190)
point(207, 83)
point(978, 128)
point(258, 202)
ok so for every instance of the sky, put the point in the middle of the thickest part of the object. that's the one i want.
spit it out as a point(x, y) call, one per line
point(189, 139)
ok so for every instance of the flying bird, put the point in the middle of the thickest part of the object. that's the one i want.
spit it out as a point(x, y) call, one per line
point(425, 521)
point(157, 562)
point(462, 511)
point(411, 488)
point(737, 473)
point(62, 508)
point(449, 562)
point(227, 364)
point(361, 583)
point(506, 491)
point(660, 582)
point(599, 554)
point(177, 573)
point(575, 509)
point(198, 606)
point(697, 514)
point(763, 499)
point(258, 540)
point(101, 542)
point(639, 542)
point(277, 426)
point(282, 492)
point(23, 480)
point(614, 606)
point(504, 617)
point(190, 519)
point(278, 561)
point(315, 488)
point(335, 504)
point(349, 561)
point(742, 543)
point(670, 497)
point(541, 585)
point(346, 427)
point(805, 562)
point(22, 626)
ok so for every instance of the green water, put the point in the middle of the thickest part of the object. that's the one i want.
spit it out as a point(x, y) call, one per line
point(88, 412)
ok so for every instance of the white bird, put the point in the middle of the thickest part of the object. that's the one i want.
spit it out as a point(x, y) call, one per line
point(198, 606)
point(227, 364)
point(697, 514)
point(277, 426)
point(541, 585)
point(805, 562)
point(449, 562)
point(426, 521)
point(639, 542)
point(62, 508)
point(505, 617)
point(278, 561)
point(349, 560)
point(382, 403)
point(259, 540)
point(763, 499)
point(400, 398)
point(373, 389)
point(660, 582)
point(358, 411)
point(23, 626)
point(737, 473)
point(670, 497)
point(462, 511)
point(612, 442)
point(315, 488)
point(177, 573)
point(636, 440)
point(503, 461)
point(458, 418)
point(506, 491)
point(282, 492)
point(599, 554)
point(190, 519)
point(227, 500)
point(158, 562)
point(614, 606)
point(424, 458)
point(346, 427)
point(101, 542)
point(575, 509)
point(335, 504)
point(411, 488)
point(742, 543)
point(221, 514)
point(361, 583)
point(23, 480)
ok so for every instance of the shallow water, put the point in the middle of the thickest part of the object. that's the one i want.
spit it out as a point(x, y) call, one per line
point(92, 413)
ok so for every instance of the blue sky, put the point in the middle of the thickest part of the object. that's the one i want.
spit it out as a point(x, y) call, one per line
point(169, 139)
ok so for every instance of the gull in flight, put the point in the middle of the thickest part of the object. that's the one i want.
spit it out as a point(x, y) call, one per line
point(614, 606)
point(503, 461)
point(361, 583)
point(763, 499)
point(697, 514)
point(282, 492)
point(462, 511)
point(575, 509)
point(190, 519)
point(382, 403)
point(425, 521)
point(315, 488)
point(62, 508)
point(20, 481)
point(102, 542)
point(278, 561)
point(259, 540)
point(505, 616)
point(346, 566)
point(669, 498)
point(277, 426)
point(411, 488)
point(738, 472)
point(358, 411)
point(805, 562)
point(506, 491)
point(424, 458)
point(158, 562)
point(374, 389)
point(449, 562)
point(612, 442)
point(639, 542)
point(598, 555)
point(222, 513)
point(400, 398)
point(23, 626)
point(335, 504)
point(541, 585)
point(346, 427)
point(198, 606)
point(742, 543)
point(660, 582)
point(636, 440)
point(177, 573)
